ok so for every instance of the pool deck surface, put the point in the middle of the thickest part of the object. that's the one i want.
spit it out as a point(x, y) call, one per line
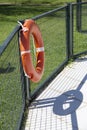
point(63, 104)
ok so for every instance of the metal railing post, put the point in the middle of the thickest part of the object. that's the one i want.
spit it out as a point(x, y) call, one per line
point(78, 15)
point(69, 30)
point(28, 90)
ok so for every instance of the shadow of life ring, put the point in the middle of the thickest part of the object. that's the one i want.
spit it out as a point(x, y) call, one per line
point(33, 72)
point(68, 102)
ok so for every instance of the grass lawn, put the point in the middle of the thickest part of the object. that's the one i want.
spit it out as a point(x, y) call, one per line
point(37, 1)
point(53, 28)
point(9, 15)
point(10, 87)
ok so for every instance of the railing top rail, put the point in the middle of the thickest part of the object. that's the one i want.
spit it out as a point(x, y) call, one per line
point(79, 3)
point(6, 42)
point(46, 13)
point(49, 12)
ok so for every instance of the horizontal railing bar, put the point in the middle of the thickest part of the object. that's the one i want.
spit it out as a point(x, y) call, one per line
point(49, 12)
point(79, 3)
point(79, 54)
point(9, 38)
point(46, 13)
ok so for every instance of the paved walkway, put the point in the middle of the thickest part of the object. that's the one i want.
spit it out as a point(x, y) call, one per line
point(63, 104)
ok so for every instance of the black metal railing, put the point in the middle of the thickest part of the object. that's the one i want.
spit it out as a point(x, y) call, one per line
point(67, 40)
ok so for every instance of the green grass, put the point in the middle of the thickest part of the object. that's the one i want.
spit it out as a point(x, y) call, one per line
point(79, 39)
point(37, 1)
point(10, 91)
point(9, 15)
point(54, 42)
point(53, 29)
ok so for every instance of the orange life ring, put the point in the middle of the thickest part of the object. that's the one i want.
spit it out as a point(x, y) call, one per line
point(30, 28)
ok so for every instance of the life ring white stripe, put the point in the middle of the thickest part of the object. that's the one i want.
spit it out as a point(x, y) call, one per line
point(39, 49)
point(25, 52)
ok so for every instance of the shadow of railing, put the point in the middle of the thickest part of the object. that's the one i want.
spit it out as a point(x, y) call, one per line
point(65, 104)
point(68, 103)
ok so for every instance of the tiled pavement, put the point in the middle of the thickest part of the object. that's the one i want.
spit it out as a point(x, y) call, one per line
point(63, 104)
